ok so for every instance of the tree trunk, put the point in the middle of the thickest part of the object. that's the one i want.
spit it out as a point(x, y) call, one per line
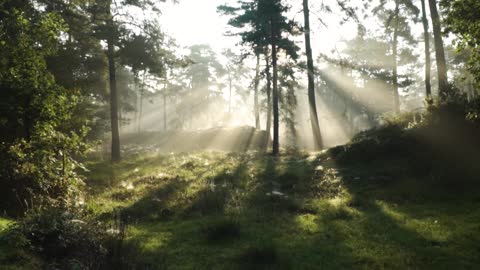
point(135, 117)
point(428, 61)
point(229, 93)
point(317, 135)
point(113, 102)
point(396, 97)
point(255, 98)
point(439, 51)
point(165, 87)
point(276, 119)
point(269, 97)
point(165, 112)
point(140, 110)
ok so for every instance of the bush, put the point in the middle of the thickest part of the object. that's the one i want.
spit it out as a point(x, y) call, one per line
point(41, 171)
point(64, 239)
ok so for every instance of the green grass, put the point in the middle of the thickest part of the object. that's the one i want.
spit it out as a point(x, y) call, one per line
point(221, 211)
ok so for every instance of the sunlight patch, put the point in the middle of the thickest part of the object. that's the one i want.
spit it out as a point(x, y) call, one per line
point(307, 223)
point(430, 227)
point(127, 185)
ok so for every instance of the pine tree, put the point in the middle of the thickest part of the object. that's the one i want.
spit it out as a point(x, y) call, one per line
point(317, 136)
point(439, 51)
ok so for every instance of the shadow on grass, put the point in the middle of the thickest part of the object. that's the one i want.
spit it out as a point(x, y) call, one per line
point(294, 212)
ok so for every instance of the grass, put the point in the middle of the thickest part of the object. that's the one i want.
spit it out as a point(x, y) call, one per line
point(388, 200)
point(249, 211)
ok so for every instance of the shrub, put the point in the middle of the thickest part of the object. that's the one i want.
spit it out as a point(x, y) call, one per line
point(63, 238)
point(41, 171)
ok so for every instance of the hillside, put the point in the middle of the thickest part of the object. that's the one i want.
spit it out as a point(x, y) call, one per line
point(376, 203)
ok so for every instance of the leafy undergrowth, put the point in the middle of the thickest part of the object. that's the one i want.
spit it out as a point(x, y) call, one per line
point(250, 211)
point(11, 257)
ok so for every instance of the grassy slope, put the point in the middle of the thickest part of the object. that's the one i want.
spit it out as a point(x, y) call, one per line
point(217, 211)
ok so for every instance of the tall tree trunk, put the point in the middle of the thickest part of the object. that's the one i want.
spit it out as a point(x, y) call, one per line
point(396, 97)
point(439, 51)
point(135, 117)
point(317, 135)
point(276, 116)
point(164, 112)
point(140, 110)
point(165, 105)
point(269, 97)
point(229, 93)
point(255, 98)
point(113, 102)
point(428, 61)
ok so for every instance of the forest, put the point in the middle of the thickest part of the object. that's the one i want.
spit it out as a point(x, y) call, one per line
point(239, 134)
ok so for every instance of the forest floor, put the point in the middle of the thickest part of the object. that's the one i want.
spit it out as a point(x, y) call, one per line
point(301, 211)
point(368, 205)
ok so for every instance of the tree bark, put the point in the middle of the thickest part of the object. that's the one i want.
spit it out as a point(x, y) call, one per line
point(439, 51)
point(113, 102)
point(165, 87)
point(396, 97)
point(317, 136)
point(428, 61)
point(276, 119)
point(140, 110)
point(255, 101)
point(165, 112)
point(269, 97)
point(230, 79)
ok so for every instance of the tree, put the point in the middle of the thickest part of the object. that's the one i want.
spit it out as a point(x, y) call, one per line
point(255, 89)
point(117, 28)
point(279, 28)
point(268, 89)
point(29, 91)
point(288, 100)
point(39, 136)
point(235, 71)
point(439, 51)
point(428, 68)
point(463, 19)
point(265, 25)
point(243, 15)
point(203, 75)
point(396, 23)
point(317, 136)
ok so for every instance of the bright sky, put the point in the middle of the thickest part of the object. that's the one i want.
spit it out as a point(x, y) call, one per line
point(197, 22)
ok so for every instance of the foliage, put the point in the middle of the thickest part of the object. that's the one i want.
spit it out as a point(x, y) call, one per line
point(463, 20)
point(288, 100)
point(41, 171)
point(29, 93)
point(64, 238)
point(40, 137)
